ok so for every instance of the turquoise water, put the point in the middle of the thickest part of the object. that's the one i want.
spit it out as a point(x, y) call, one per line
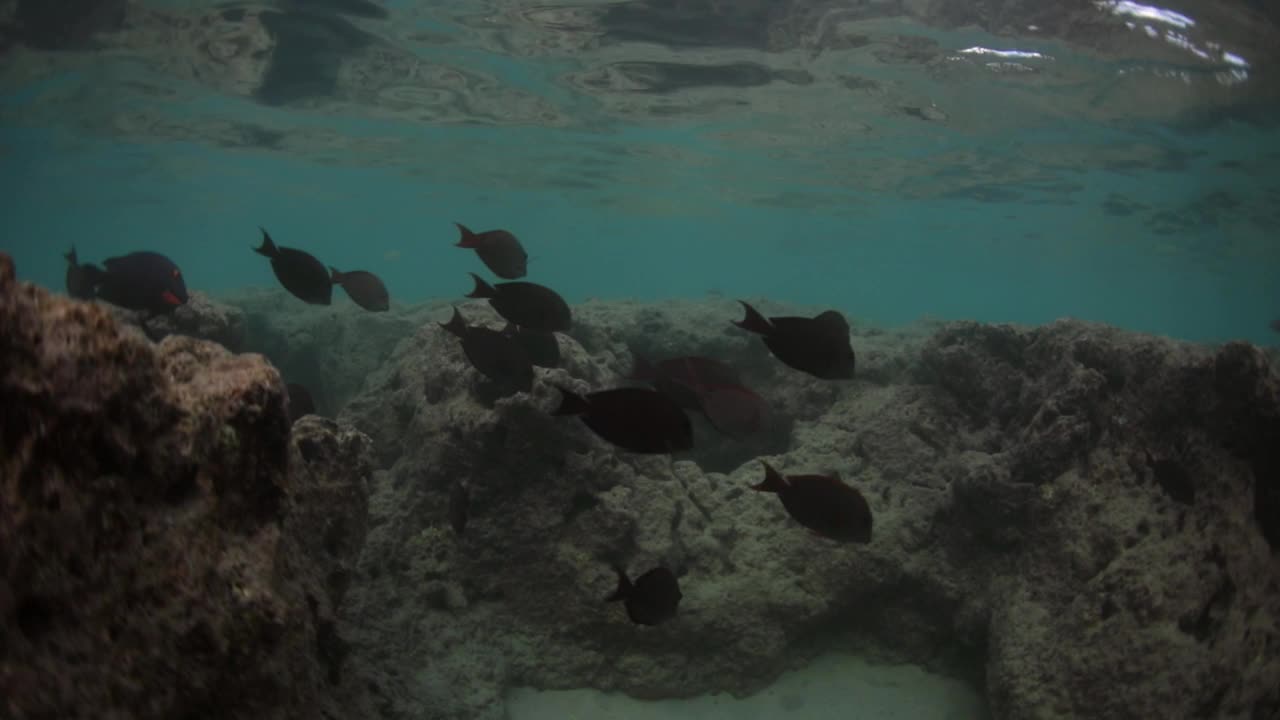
point(1127, 186)
point(884, 259)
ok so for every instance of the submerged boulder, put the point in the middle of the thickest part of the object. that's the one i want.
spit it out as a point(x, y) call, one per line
point(1057, 507)
point(168, 548)
point(1078, 520)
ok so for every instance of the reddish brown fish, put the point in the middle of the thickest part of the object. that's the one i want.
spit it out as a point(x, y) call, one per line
point(818, 345)
point(364, 288)
point(708, 386)
point(636, 419)
point(734, 410)
point(822, 503)
point(499, 250)
point(683, 377)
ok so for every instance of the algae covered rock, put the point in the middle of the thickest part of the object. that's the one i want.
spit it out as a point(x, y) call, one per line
point(1079, 520)
point(1030, 536)
point(167, 548)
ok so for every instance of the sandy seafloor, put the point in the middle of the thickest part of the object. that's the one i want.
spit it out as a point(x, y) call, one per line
point(833, 687)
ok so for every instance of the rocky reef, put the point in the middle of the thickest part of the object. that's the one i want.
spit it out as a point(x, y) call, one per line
point(1080, 521)
point(169, 547)
point(1056, 508)
point(202, 317)
point(329, 349)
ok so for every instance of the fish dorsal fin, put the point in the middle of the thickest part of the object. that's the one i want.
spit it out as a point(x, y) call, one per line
point(833, 322)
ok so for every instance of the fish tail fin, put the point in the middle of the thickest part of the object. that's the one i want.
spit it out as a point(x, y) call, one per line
point(268, 247)
point(71, 256)
point(754, 321)
point(571, 403)
point(482, 289)
point(467, 238)
point(642, 370)
point(624, 585)
point(456, 325)
point(773, 481)
point(334, 275)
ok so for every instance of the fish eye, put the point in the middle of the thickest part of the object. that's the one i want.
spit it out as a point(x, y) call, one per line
point(177, 273)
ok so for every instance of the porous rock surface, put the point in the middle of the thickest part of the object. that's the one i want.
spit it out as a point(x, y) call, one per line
point(168, 546)
point(1079, 520)
point(1023, 540)
point(200, 317)
point(329, 349)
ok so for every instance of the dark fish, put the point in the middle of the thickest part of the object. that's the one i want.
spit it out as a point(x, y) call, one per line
point(497, 356)
point(365, 288)
point(299, 272)
point(636, 419)
point(81, 279)
point(1275, 324)
point(822, 503)
point(529, 305)
point(300, 402)
point(818, 345)
point(542, 347)
point(459, 506)
point(734, 410)
point(1173, 478)
point(144, 281)
point(499, 250)
point(652, 599)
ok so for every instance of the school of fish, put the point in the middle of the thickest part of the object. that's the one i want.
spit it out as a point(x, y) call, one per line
point(649, 413)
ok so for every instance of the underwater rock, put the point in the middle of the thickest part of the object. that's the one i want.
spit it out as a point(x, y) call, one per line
point(200, 317)
point(1115, 574)
point(332, 350)
point(204, 318)
point(167, 546)
point(1006, 468)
